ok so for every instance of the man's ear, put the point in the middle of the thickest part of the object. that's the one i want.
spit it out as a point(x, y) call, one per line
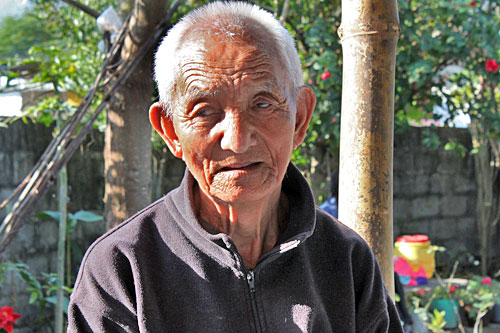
point(306, 102)
point(164, 125)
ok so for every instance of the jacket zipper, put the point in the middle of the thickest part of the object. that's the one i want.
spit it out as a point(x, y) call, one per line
point(251, 285)
point(250, 273)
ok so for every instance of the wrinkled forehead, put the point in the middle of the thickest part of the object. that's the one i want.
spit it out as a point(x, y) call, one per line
point(212, 61)
point(226, 44)
point(215, 59)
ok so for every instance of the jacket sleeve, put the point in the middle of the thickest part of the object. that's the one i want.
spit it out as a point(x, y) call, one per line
point(387, 320)
point(103, 299)
point(395, 322)
point(376, 311)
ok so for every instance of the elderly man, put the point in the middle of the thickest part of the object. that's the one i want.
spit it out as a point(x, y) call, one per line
point(239, 246)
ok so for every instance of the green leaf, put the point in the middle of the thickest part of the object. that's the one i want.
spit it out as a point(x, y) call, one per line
point(49, 214)
point(474, 151)
point(26, 276)
point(86, 216)
point(51, 300)
point(450, 146)
point(33, 298)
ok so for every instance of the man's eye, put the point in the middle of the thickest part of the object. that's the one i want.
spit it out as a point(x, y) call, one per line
point(263, 105)
point(203, 112)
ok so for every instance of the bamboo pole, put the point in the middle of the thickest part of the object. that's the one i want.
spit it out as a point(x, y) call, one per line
point(61, 241)
point(369, 34)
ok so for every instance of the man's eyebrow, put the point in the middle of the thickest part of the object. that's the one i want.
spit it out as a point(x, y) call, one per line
point(272, 89)
point(194, 93)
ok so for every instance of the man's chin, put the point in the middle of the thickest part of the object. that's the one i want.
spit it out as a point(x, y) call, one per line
point(242, 194)
point(235, 182)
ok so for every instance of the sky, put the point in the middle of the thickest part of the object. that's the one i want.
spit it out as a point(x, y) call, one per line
point(12, 7)
point(11, 102)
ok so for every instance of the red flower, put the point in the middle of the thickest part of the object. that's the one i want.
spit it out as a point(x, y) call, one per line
point(472, 3)
point(492, 65)
point(310, 81)
point(486, 280)
point(7, 318)
point(421, 291)
point(325, 75)
point(452, 288)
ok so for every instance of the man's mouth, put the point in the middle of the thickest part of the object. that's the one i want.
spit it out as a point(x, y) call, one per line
point(240, 167)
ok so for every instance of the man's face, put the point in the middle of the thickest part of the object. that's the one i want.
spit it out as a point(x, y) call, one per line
point(235, 129)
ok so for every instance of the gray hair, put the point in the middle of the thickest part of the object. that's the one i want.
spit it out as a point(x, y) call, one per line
point(168, 57)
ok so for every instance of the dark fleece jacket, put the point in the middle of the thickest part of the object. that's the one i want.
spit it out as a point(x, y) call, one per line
point(159, 271)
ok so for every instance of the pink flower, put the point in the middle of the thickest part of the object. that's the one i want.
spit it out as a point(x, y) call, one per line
point(492, 65)
point(421, 291)
point(472, 3)
point(310, 81)
point(8, 317)
point(486, 280)
point(325, 75)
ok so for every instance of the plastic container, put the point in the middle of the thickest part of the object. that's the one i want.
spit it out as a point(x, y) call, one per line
point(416, 249)
point(450, 308)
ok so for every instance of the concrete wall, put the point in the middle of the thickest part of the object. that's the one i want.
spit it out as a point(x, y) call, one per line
point(434, 194)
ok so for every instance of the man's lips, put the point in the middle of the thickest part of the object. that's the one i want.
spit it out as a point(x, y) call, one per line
point(240, 166)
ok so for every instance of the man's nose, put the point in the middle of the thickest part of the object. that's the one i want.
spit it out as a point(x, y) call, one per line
point(237, 132)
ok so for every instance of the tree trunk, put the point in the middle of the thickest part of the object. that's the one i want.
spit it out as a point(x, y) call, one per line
point(127, 150)
point(369, 34)
point(486, 171)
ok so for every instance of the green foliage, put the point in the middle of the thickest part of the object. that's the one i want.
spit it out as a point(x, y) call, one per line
point(42, 289)
point(430, 139)
point(81, 215)
point(456, 147)
point(49, 109)
point(72, 250)
point(437, 322)
point(437, 34)
point(18, 34)
point(420, 302)
point(71, 57)
point(314, 25)
point(442, 292)
point(479, 296)
point(67, 56)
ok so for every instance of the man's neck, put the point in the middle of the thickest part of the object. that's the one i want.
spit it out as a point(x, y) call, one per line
point(253, 226)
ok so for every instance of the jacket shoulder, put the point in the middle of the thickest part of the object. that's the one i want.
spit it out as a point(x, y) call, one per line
point(335, 230)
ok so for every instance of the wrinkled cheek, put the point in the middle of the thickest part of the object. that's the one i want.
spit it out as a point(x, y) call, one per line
point(198, 168)
point(207, 173)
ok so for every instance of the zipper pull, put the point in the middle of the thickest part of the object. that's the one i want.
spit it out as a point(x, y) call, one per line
point(251, 280)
